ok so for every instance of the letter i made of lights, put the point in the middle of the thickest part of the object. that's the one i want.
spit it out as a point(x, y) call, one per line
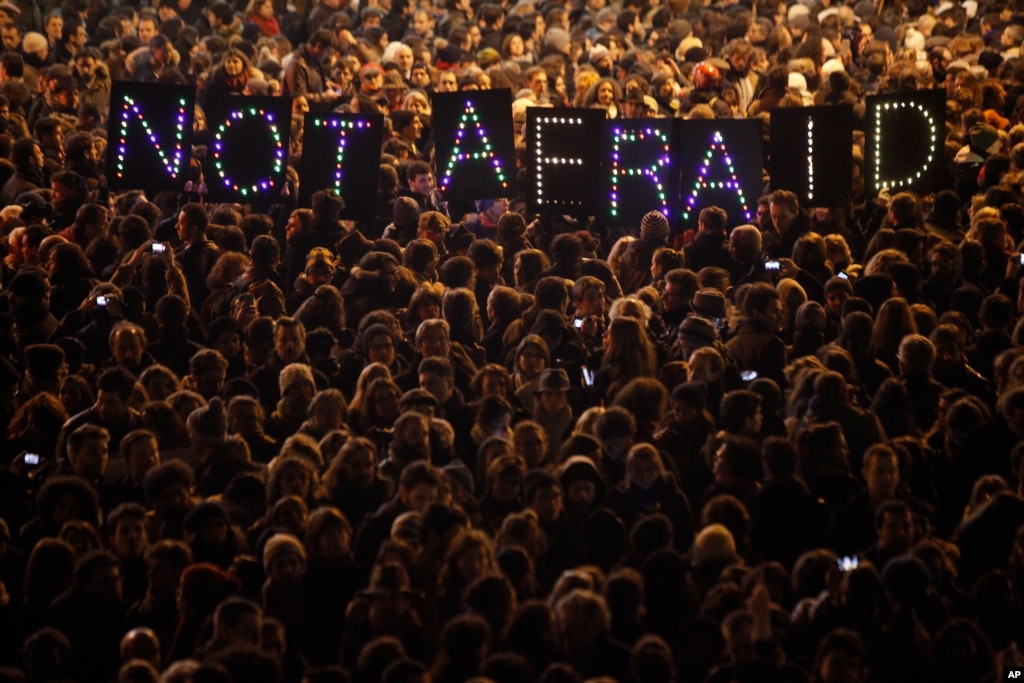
point(130, 110)
point(341, 127)
point(621, 136)
point(218, 149)
point(810, 158)
point(543, 161)
point(469, 116)
point(932, 136)
point(703, 183)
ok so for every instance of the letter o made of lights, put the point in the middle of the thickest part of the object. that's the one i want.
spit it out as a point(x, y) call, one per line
point(218, 149)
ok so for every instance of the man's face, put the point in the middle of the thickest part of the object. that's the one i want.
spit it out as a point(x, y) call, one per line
point(405, 58)
point(739, 249)
point(143, 456)
point(420, 497)
point(773, 315)
point(244, 419)
point(130, 537)
point(89, 460)
point(672, 297)
point(781, 217)
point(581, 494)
point(896, 532)
point(447, 82)
point(433, 342)
point(146, 30)
point(86, 67)
point(381, 349)
point(439, 387)
point(422, 24)
point(361, 468)
point(54, 28)
point(289, 344)
point(127, 349)
point(882, 475)
point(184, 228)
point(79, 37)
point(11, 38)
point(553, 401)
point(110, 406)
point(701, 370)
point(548, 504)
point(538, 84)
point(422, 183)
point(420, 78)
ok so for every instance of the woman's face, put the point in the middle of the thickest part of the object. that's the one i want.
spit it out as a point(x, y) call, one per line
point(233, 65)
point(493, 385)
point(293, 225)
point(266, 10)
point(605, 94)
point(361, 468)
point(295, 483)
point(386, 404)
point(327, 416)
point(413, 130)
point(592, 302)
point(70, 396)
point(428, 310)
point(471, 564)
point(417, 105)
point(515, 46)
point(643, 473)
point(531, 362)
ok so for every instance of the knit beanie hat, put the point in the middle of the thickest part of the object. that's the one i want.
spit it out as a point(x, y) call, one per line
point(280, 545)
point(406, 212)
point(372, 331)
point(654, 227)
point(983, 136)
point(536, 480)
point(697, 329)
point(295, 372)
point(319, 259)
point(209, 420)
point(840, 284)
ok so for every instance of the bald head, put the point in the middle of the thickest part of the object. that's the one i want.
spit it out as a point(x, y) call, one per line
point(141, 643)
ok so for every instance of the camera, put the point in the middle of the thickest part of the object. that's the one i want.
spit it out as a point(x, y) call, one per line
point(102, 300)
point(847, 563)
point(578, 323)
point(31, 459)
point(158, 248)
point(771, 265)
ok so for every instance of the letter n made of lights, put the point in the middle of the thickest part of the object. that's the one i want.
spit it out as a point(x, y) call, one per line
point(471, 120)
point(218, 150)
point(705, 181)
point(130, 111)
point(341, 127)
point(621, 137)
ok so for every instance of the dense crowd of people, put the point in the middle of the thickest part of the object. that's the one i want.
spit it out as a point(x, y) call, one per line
point(259, 443)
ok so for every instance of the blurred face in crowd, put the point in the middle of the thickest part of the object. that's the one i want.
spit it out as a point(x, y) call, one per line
point(882, 475)
point(147, 29)
point(548, 503)
point(289, 343)
point(142, 457)
point(110, 406)
point(11, 38)
point(130, 537)
point(896, 531)
point(127, 349)
point(89, 460)
point(419, 497)
point(447, 82)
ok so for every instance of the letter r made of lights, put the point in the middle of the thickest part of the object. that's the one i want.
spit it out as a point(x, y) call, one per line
point(469, 122)
point(707, 181)
point(656, 171)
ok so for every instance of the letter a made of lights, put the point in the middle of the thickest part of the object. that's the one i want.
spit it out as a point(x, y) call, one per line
point(703, 183)
point(622, 136)
point(342, 127)
point(470, 117)
point(130, 110)
point(896, 183)
point(218, 149)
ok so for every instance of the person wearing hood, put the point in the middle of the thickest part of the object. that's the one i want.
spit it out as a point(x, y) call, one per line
point(594, 531)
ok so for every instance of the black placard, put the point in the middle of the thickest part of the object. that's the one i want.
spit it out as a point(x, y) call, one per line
point(474, 147)
point(342, 151)
point(641, 170)
point(149, 133)
point(564, 163)
point(812, 153)
point(721, 164)
point(906, 134)
point(247, 154)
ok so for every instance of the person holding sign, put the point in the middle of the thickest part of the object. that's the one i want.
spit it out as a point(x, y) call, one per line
point(305, 73)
